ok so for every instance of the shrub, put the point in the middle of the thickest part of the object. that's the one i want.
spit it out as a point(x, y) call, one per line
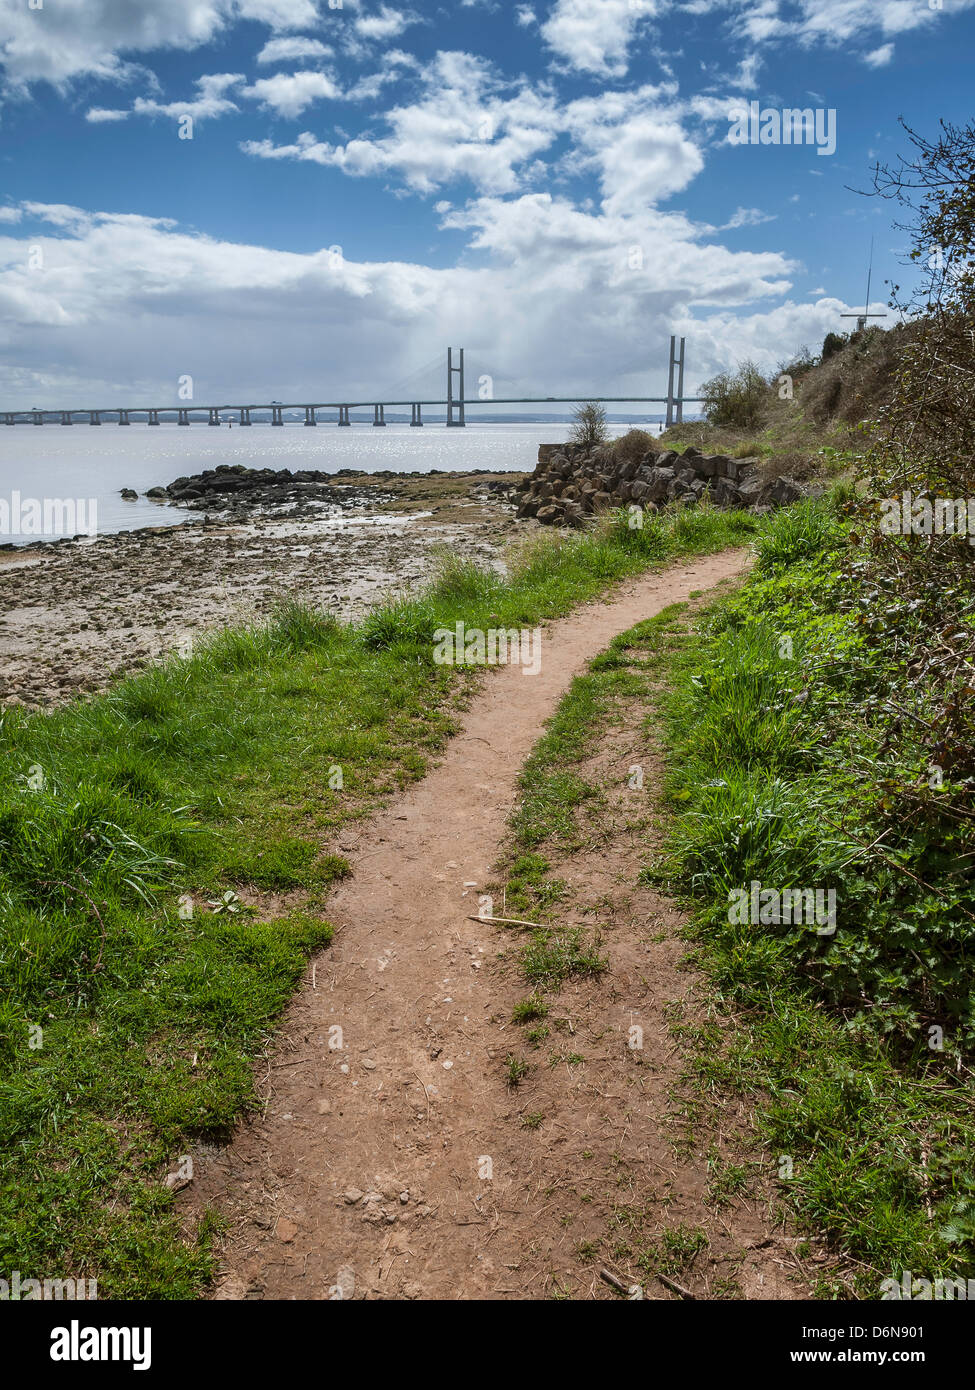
point(589, 423)
point(739, 399)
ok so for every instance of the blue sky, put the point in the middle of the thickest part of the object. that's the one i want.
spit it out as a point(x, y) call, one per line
point(551, 185)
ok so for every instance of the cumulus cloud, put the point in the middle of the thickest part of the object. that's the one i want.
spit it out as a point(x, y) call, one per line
point(561, 298)
point(463, 126)
point(210, 101)
point(290, 94)
point(596, 37)
point(386, 23)
point(879, 57)
point(88, 38)
point(290, 50)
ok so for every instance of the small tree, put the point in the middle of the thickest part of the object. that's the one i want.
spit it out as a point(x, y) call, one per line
point(589, 423)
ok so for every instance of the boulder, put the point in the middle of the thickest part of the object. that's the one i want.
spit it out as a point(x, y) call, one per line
point(711, 466)
point(783, 491)
point(736, 469)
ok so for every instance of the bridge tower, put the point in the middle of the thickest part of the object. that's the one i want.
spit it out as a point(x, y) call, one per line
point(455, 404)
point(678, 401)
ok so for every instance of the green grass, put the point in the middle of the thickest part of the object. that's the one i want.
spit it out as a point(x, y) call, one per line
point(135, 996)
point(795, 755)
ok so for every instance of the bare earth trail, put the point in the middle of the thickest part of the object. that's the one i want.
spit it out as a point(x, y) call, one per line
point(395, 1165)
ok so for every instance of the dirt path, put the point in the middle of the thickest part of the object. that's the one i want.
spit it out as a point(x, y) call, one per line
point(397, 1165)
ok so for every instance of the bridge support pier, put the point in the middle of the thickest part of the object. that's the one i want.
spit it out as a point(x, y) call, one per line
point(66, 417)
point(379, 415)
point(245, 415)
point(416, 415)
point(183, 417)
point(153, 417)
point(344, 415)
point(310, 415)
point(38, 417)
point(123, 417)
point(214, 415)
point(94, 417)
point(8, 417)
point(276, 416)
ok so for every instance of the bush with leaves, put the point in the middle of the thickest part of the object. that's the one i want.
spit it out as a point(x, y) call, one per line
point(738, 399)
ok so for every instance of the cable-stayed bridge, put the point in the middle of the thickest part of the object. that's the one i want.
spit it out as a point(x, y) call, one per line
point(455, 401)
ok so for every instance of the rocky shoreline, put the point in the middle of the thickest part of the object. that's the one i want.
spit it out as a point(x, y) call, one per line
point(75, 616)
point(573, 481)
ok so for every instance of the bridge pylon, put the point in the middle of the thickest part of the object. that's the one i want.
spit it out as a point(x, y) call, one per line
point(455, 405)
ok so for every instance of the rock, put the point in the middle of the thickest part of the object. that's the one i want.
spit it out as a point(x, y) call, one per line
point(710, 466)
point(783, 491)
point(725, 493)
point(549, 515)
point(157, 492)
point(285, 1230)
point(602, 502)
point(528, 508)
point(129, 494)
point(352, 1195)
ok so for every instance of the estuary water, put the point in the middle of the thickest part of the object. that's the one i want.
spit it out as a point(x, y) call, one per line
point(81, 463)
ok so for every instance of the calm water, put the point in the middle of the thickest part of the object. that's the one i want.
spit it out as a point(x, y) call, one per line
point(80, 462)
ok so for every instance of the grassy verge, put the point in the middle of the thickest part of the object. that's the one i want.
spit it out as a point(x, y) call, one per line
point(797, 756)
point(136, 990)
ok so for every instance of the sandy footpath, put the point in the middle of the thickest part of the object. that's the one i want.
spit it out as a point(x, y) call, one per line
point(73, 617)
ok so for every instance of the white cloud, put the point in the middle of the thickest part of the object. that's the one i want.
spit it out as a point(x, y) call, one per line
point(211, 99)
point(835, 22)
point(595, 37)
point(291, 50)
point(99, 115)
point(462, 126)
point(88, 38)
point(880, 57)
point(125, 305)
point(746, 217)
point(290, 94)
point(525, 16)
point(386, 24)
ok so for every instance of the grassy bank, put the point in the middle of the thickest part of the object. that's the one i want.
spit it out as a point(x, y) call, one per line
point(799, 755)
point(137, 990)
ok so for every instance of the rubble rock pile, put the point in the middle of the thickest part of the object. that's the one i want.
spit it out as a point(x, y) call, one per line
point(572, 481)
